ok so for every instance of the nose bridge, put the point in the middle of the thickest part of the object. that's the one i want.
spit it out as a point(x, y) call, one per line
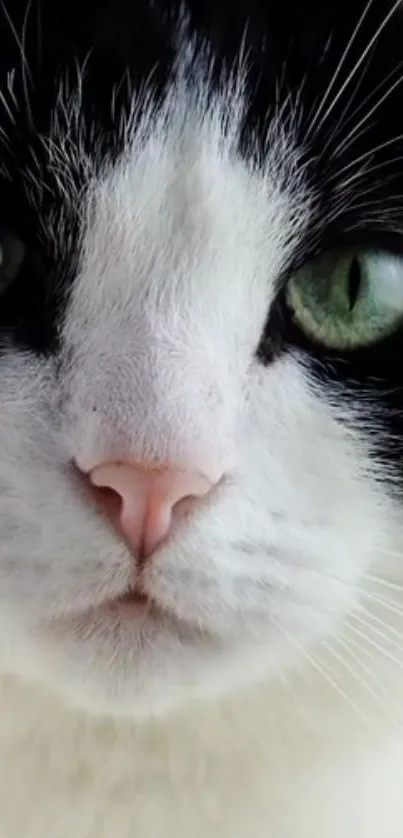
point(178, 416)
point(175, 386)
point(153, 401)
point(158, 360)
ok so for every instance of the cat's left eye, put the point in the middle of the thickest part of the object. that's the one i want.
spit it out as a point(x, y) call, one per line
point(348, 299)
point(12, 254)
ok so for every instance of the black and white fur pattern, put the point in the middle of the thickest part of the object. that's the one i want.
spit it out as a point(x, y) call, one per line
point(167, 167)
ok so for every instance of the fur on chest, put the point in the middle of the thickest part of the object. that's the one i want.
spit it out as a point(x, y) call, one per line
point(260, 764)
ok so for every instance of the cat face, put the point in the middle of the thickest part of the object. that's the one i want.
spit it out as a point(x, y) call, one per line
point(166, 224)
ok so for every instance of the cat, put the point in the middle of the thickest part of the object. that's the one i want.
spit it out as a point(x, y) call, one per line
point(201, 419)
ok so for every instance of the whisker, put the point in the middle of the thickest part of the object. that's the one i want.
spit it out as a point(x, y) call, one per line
point(356, 67)
point(370, 577)
point(386, 583)
point(10, 88)
point(344, 185)
point(383, 551)
point(349, 668)
point(377, 632)
point(378, 620)
point(26, 73)
point(384, 652)
point(389, 604)
point(352, 138)
point(342, 120)
point(15, 34)
point(345, 122)
point(370, 170)
point(322, 671)
point(370, 655)
point(25, 69)
point(337, 71)
point(344, 145)
point(367, 154)
point(7, 108)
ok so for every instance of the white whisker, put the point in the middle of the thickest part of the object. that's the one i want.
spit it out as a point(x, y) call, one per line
point(373, 658)
point(319, 667)
point(10, 88)
point(389, 604)
point(349, 668)
point(370, 577)
point(15, 34)
point(356, 67)
point(343, 123)
point(384, 652)
point(344, 145)
point(367, 154)
point(371, 170)
point(377, 632)
point(378, 620)
point(7, 108)
point(386, 583)
point(26, 73)
point(383, 551)
point(25, 69)
point(370, 654)
point(352, 138)
point(337, 71)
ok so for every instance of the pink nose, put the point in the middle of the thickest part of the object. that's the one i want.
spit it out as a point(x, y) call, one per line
point(141, 504)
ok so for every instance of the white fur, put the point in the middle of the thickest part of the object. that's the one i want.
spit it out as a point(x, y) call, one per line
point(182, 245)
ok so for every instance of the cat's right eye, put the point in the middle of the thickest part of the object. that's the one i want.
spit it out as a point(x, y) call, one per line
point(348, 299)
point(12, 255)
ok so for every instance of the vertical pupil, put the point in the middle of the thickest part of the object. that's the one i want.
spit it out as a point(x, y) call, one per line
point(354, 282)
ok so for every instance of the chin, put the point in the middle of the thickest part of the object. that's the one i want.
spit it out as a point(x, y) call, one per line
point(191, 634)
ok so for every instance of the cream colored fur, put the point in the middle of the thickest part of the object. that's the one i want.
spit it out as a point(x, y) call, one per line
point(287, 762)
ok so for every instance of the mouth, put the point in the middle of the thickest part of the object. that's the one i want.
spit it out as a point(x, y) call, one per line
point(134, 598)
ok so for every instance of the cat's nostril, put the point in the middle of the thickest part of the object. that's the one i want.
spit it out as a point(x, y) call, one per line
point(142, 504)
point(109, 501)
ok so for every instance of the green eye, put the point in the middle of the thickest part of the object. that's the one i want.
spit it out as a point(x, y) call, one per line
point(348, 299)
point(12, 253)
